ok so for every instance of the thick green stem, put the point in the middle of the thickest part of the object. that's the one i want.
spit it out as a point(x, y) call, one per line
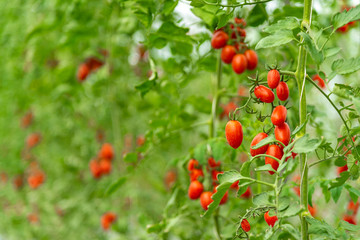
point(212, 133)
point(300, 76)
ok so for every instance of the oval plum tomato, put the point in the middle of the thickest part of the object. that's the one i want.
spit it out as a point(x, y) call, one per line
point(312, 210)
point(195, 189)
point(195, 174)
point(247, 193)
point(192, 164)
point(282, 91)
point(270, 220)
point(205, 199)
point(83, 72)
point(234, 133)
point(278, 116)
point(95, 168)
point(224, 198)
point(282, 133)
point(214, 175)
point(33, 139)
point(245, 225)
point(350, 219)
point(227, 54)
point(264, 94)
point(107, 219)
point(273, 78)
point(239, 63)
point(256, 140)
point(219, 39)
point(319, 80)
point(275, 151)
point(105, 166)
point(343, 29)
point(252, 59)
point(235, 185)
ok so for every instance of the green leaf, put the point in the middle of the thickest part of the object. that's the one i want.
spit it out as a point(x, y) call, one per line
point(290, 229)
point(349, 227)
point(340, 180)
point(321, 228)
point(200, 153)
point(115, 186)
point(197, 3)
point(289, 23)
point(325, 190)
point(335, 193)
point(245, 169)
point(284, 203)
point(265, 141)
point(340, 19)
point(329, 52)
point(261, 199)
point(342, 90)
point(299, 128)
point(169, 6)
point(225, 179)
point(310, 45)
point(224, 18)
point(291, 211)
point(145, 87)
point(217, 148)
point(208, 17)
point(306, 145)
point(277, 39)
point(346, 66)
point(130, 158)
point(266, 167)
point(257, 15)
point(353, 191)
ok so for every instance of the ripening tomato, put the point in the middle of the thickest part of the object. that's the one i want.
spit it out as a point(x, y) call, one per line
point(106, 151)
point(278, 116)
point(26, 120)
point(205, 199)
point(195, 189)
point(219, 39)
point(275, 151)
point(282, 133)
point(234, 133)
point(245, 225)
point(192, 164)
point(270, 220)
point(312, 210)
point(95, 168)
point(343, 29)
point(35, 179)
point(33, 218)
point(235, 185)
point(227, 54)
point(107, 219)
point(319, 80)
point(239, 63)
point(282, 91)
point(350, 219)
point(251, 58)
point(224, 198)
point(33, 139)
point(256, 140)
point(240, 21)
point(264, 94)
point(273, 78)
point(83, 72)
point(94, 63)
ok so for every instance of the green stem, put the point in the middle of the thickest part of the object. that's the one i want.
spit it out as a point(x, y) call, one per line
point(300, 75)
point(235, 5)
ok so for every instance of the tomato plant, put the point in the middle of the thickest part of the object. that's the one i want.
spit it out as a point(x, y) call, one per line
point(191, 119)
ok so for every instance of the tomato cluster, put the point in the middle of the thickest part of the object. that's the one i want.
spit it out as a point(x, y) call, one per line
point(89, 66)
point(102, 164)
point(234, 49)
point(196, 187)
point(107, 219)
point(346, 27)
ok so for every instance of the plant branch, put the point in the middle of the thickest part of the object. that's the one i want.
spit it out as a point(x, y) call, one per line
point(235, 5)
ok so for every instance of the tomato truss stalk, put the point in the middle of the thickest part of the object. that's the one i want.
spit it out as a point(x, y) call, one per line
point(300, 75)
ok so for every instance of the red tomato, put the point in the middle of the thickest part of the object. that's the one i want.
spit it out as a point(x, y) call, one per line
point(256, 140)
point(312, 210)
point(205, 199)
point(320, 81)
point(219, 39)
point(105, 166)
point(273, 78)
point(212, 163)
point(170, 178)
point(36, 179)
point(26, 120)
point(343, 29)
point(245, 225)
point(83, 72)
point(195, 174)
point(95, 168)
point(270, 220)
point(282, 91)
point(94, 63)
point(252, 59)
point(214, 175)
point(264, 94)
point(350, 219)
point(235, 185)
point(224, 198)
point(195, 189)
point(107, 219)
point(282, 133)
point(247, 193)
point(33, 139)
point(342, 169)
point(106, 151)
point(227, 54)
point(275, 151)
point(234, 133)
point(192, 164)
point(240, 21)
point(239, 63)
point(278, 116)
point(354, 207)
